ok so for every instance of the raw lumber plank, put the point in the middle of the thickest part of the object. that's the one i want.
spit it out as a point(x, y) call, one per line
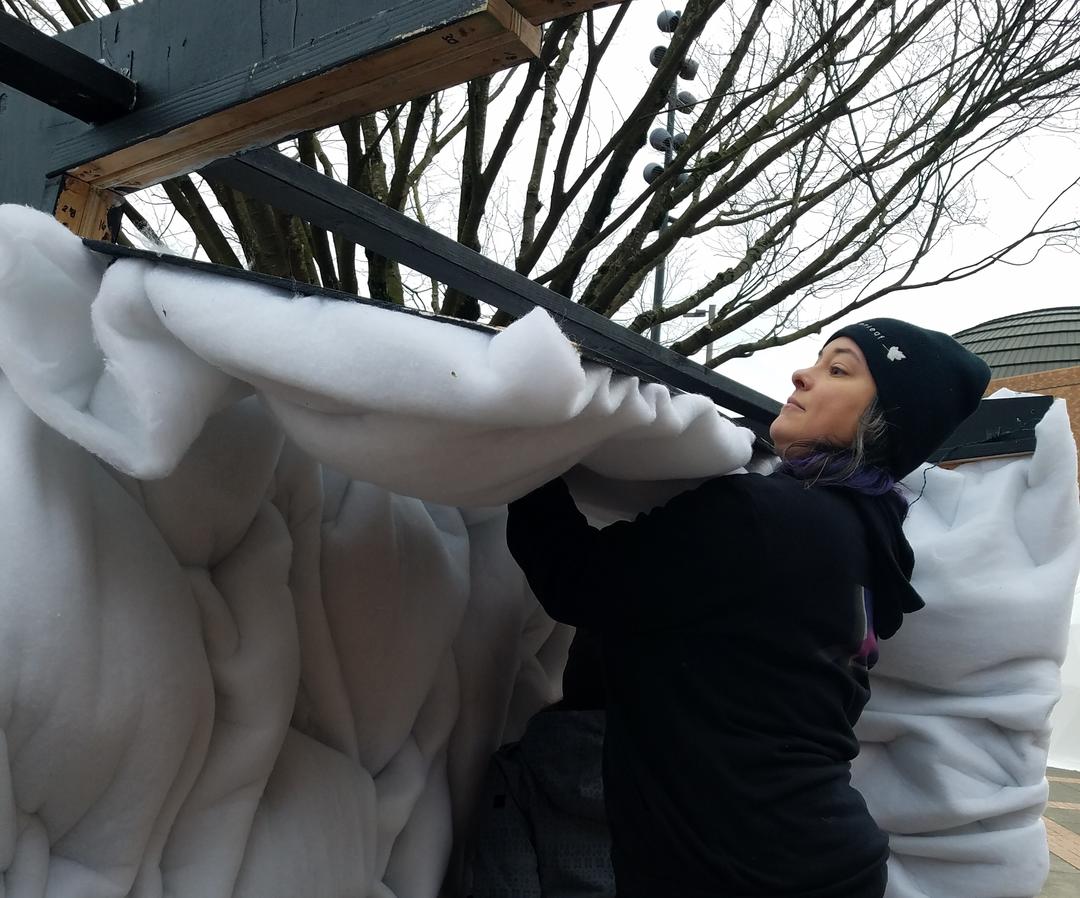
point(955, 463)
point(540, 11)
point(198, 58)
point(292, 187)
point(493, 38)
point(83, 209)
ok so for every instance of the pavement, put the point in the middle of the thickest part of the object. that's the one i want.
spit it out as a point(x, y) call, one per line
point(1062, 818)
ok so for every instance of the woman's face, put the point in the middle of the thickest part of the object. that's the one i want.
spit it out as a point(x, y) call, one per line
point(829, 399)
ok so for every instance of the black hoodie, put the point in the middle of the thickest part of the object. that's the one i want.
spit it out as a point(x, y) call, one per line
point(731, 621)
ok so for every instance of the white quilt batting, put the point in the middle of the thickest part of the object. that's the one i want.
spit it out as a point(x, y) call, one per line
point(954, 739)
point(237, 659)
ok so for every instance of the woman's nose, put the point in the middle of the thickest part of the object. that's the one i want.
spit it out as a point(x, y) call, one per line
point(801, 379)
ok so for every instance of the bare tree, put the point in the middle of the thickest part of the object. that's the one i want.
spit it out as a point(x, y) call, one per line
point(834, 150)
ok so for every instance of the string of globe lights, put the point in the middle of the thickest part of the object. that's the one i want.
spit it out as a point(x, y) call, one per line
point(668, 141)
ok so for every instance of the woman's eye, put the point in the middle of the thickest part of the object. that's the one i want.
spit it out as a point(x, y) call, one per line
point(836, 369)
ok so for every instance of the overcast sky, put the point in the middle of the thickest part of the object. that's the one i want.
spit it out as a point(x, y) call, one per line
point(1027, 177)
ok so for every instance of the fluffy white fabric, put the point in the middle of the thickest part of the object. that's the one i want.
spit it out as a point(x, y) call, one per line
point(1065, 721)
point(954, 739)
point(130, 362)
point(235, 663)
point(239, 659)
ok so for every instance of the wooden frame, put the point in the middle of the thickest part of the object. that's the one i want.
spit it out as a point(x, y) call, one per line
point(296, 188)
point(60, 76)
point(280, 68)
point(84, 209)
point(255, 107)
point(205, 93)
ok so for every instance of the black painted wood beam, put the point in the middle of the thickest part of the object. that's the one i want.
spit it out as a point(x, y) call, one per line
point(292, 187)
point(277, 69)
point(63, 78)
point(998, 427)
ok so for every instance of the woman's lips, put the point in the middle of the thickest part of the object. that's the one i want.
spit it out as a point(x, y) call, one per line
point(791, 403)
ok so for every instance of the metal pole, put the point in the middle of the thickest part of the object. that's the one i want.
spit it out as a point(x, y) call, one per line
point(661, 273)
point(709, 346)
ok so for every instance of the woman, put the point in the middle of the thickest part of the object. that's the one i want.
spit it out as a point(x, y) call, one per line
point(739, 620)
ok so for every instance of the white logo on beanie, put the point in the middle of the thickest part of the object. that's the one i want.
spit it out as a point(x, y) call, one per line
point(894, 354)
point(878, 335)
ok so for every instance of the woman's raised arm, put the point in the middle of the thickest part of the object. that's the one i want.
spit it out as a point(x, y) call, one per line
point(641, 573)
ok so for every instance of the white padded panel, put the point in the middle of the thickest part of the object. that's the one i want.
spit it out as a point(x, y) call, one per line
point(954, 739)
point(237, 658)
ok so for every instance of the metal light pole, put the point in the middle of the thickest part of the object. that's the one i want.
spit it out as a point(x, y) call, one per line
point(709, 346)
point(661, 269)
point(667, 140)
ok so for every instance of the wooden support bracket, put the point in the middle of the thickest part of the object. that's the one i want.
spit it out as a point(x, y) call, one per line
point(495, 37)
point(208, 91)
point(84, 209)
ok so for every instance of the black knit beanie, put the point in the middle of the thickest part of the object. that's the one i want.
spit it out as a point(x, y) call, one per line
point(927, 384)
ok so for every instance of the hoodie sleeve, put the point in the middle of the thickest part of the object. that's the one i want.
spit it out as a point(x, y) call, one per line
point(656, 570)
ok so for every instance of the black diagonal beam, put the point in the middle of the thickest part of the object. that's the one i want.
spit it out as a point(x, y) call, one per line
point(65, 79)
point(997, 427)
point(293, 187)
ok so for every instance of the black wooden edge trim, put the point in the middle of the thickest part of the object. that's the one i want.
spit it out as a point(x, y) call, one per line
point(997, 427)
point(297, 287)
point(242, 274)
point(47, 70)
point(259, 77)
point(986, 450)
point(295, 188)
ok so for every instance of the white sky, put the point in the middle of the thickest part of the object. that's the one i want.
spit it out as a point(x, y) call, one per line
point(1003, 289)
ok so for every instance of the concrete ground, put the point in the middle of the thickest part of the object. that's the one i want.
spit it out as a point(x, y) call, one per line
point(1063, 832)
